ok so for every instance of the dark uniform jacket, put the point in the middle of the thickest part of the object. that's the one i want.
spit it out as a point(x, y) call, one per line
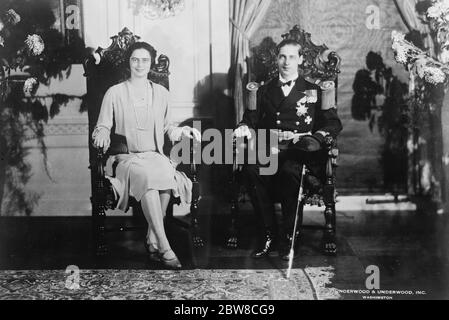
point(299, 112)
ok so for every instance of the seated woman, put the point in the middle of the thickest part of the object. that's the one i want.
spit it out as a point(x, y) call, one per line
point(140, 110)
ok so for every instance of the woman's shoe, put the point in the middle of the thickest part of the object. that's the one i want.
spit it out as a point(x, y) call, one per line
point(153, 255)
point(170, 263)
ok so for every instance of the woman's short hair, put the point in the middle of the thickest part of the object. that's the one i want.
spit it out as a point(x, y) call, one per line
point(289, 42)
point(140, 45)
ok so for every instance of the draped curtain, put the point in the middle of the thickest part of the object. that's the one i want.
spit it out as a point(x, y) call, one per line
point(245, 17)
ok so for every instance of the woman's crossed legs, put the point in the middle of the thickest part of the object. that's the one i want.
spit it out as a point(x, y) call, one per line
point(154, 206)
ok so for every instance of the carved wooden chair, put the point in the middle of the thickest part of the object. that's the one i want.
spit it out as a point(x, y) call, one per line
point(103, 69)
point(320, 65)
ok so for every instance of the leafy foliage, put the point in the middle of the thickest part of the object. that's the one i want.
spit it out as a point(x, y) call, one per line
point(31, 52)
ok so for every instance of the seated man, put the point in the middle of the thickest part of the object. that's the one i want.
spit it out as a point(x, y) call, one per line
point(296, 111)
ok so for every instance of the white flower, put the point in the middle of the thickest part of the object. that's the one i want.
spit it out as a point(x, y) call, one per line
point(397, 36)
point(12, 17)
point(433, 12)
point(401, 57)
point(438, 9)
point(30, 86)
point(399, 47)
point(434, 75)
point(420, 66)
point(401, 52)
point(35, 44)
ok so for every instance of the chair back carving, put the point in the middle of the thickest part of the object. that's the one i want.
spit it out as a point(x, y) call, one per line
point(320, 63)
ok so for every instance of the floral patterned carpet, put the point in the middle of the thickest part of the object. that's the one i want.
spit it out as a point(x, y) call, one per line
point(304, 284)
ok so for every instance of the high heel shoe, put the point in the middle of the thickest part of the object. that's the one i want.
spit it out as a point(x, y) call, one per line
point(170, 263)
point(267, 246)
point(152, 255)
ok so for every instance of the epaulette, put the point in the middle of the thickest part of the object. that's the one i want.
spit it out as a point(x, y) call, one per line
point(323, 85)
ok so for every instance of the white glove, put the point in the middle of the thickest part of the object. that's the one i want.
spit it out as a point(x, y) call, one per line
point(285, 136)
point(242, 131)
point(191, 133)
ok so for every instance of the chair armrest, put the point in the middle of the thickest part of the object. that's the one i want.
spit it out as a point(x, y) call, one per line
point(332, 150)
point(99, 164)
point(104, 192)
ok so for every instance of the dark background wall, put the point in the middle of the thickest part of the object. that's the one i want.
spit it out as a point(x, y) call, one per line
point(341, 25)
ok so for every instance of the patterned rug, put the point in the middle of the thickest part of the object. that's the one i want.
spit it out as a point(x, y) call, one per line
point(304, 284)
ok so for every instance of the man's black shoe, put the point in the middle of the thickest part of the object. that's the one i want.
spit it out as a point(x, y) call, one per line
point(284, 251)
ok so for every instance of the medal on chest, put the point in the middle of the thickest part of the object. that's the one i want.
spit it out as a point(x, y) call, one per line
point(310, 96)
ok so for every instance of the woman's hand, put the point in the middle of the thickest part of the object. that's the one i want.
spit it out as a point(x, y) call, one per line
point(191, 133)
point(102, 138)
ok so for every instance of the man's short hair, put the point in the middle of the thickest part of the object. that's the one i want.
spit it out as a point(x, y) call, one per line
point(290, 42)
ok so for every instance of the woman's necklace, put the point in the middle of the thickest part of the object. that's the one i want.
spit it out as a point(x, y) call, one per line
point(139, 95)
point(143, 102)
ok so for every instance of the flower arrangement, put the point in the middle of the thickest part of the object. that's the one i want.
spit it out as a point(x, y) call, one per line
point(32, 52)
point(438, 17)
point(429, 79)
point(418, 61)
point(433, 71)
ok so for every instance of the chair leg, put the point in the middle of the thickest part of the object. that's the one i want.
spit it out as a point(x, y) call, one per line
point(194, 224)
point(99, 230)
point(329, 233)
point(232, 236)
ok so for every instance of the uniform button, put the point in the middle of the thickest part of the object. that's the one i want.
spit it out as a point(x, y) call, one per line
point(278, 113)
point(278, 122)
point(297, 123)
point(296, 131)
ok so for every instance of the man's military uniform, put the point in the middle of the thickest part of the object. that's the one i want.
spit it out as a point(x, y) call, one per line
point(308, 110)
